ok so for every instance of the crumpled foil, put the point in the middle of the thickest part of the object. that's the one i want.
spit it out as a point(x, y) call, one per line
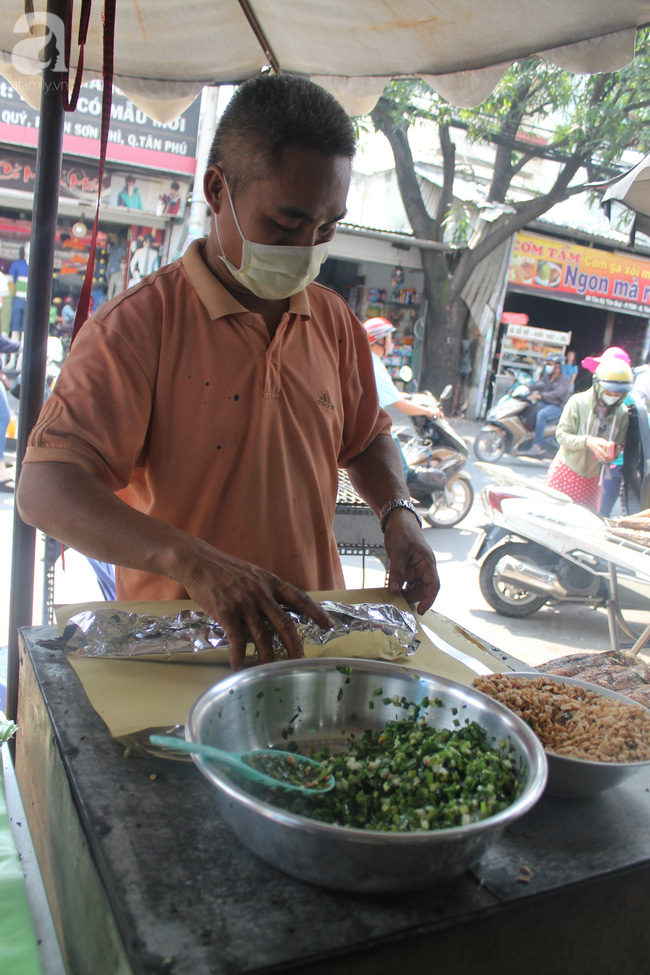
point(116, 633)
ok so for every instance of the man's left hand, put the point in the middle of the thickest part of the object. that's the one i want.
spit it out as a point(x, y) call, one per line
point(412, 564)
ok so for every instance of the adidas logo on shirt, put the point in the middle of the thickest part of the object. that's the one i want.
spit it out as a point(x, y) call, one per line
point(325, 401)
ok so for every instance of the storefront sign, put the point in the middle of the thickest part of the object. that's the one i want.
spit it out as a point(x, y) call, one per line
point(78, 180)
point(530, 334)
point(134, 138)
point(584, 275)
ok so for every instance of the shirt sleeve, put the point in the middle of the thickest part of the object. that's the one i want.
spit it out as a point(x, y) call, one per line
point(99, 412)
point(387, 391)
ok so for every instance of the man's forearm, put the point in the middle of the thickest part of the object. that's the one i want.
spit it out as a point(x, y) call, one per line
point(67, 503)
point(377, 474)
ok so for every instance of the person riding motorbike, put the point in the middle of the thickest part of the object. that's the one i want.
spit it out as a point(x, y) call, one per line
point(380, 332)
point(551, 390)
point(591, 432)
point(434, 458)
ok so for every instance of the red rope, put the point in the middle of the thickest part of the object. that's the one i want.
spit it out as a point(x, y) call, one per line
point(70, 101)
point(83, 306)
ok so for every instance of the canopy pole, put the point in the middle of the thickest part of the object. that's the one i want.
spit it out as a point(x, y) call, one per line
point(37, 318)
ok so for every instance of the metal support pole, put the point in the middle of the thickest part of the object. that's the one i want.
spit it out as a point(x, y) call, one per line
point(37, 317)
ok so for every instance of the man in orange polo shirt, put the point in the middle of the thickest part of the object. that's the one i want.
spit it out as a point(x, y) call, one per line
point(195, 434)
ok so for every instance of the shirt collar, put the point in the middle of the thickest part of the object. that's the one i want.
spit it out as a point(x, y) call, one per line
point(217, 300)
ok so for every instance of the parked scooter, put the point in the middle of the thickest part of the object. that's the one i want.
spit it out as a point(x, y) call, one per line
point(436, 457)
point(541, 547)
point(505, 430)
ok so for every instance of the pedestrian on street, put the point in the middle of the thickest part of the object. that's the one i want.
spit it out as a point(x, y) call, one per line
point(205, 462)
point(612, 474)
point(552, 390)
point(591, 434)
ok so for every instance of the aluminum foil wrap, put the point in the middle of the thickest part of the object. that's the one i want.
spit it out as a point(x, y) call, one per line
point(116, 633)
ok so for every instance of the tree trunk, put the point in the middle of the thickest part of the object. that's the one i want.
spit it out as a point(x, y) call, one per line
point(444, 328)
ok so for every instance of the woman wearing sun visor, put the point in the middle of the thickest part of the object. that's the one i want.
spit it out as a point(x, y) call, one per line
point(591, 433)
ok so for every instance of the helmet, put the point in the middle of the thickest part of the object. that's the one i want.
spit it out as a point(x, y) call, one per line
point(555, 358)
point(592, 362)
point(613, 376)
point(378, 328)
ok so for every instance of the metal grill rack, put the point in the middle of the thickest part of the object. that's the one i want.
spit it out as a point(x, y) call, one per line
point(356, 528)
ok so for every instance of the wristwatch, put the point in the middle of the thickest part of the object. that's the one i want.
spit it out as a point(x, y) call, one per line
point(391, 506)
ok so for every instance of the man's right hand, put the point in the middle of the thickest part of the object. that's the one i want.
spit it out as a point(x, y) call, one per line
point(248, 602)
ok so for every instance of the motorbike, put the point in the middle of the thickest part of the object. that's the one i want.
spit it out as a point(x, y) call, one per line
point(505, 430)
point(541, 547)
point(436, 456)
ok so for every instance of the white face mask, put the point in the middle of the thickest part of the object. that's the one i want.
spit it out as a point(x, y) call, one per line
point(270, 271)
point(609, 399)
point(549, 369)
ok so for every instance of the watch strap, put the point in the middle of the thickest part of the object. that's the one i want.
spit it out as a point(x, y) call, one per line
point(391, 506)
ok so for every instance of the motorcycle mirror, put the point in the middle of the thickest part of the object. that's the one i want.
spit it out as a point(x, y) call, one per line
point(406, 374)
point(447, 391)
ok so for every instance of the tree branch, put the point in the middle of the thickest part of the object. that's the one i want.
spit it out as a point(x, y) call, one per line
point(448, 150)
point(397, 135)
point(504, 228)
point(519, 165)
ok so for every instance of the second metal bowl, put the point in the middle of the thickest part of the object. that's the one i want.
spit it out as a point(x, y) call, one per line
point(579, 778)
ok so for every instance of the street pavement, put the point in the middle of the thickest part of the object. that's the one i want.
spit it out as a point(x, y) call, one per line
point(551, 632)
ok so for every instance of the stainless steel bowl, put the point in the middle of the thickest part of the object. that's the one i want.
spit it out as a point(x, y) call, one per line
point(577, 778)
point(323, 705)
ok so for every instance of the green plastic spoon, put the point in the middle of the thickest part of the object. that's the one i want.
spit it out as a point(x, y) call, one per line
point(238, 762)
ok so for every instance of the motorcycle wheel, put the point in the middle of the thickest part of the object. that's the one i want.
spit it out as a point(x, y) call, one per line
point(451, 505)
point(490, 445)
point(506, 597)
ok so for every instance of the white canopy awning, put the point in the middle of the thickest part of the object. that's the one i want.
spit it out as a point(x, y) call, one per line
point(166, 50)
point(633, 189)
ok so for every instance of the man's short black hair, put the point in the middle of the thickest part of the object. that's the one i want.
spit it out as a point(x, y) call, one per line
point(268, 114)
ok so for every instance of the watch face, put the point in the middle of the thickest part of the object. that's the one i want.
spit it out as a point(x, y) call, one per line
point(391, 506)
